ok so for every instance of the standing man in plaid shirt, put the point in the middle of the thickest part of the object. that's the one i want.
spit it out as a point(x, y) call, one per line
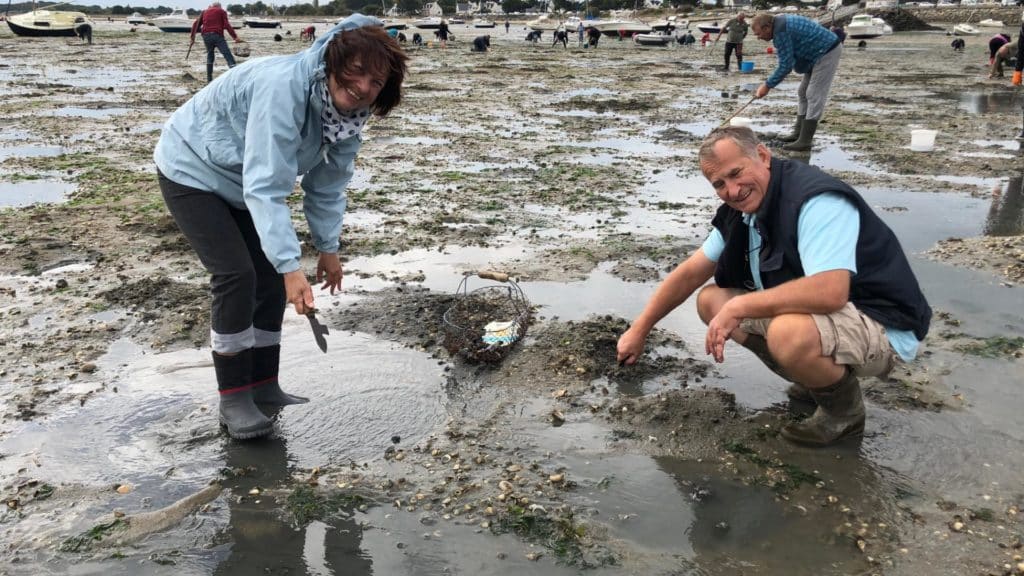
point(808, 48)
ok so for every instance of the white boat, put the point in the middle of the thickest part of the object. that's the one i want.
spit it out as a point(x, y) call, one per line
point(621, 27)
point(257, 22)
point(456, 21)
point(545, 22)
point(990, 23)
point(176, 21)
point(658, 39)
point(864, 26)
point(709, 28)
point(483, 23)
point(47, 23)
point(965, 30)
point(136, 19)
point(428, 23)
point(669, 24)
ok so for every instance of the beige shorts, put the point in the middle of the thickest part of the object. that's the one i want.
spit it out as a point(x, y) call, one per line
point(848, 337)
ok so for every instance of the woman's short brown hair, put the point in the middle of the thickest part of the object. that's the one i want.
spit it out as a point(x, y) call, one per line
point(379, 55)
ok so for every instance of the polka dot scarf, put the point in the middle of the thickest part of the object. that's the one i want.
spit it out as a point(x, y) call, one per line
point(339, 125)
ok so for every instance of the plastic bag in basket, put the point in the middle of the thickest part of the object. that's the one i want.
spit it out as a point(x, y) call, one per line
point(500, 333)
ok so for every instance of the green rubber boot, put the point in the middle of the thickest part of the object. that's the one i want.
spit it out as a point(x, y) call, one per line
point(238, 412)
point(803, 144)
point(795, 135)
point(840, 414)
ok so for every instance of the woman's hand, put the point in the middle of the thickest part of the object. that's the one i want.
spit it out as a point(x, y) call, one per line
point(328, 271)
point(298, 292)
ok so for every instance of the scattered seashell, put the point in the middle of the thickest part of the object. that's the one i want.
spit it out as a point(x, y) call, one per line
point(124, 489)
point(556, 478)
point(505, 486)
point(400, 456)
point(513, 468)
point(533, 556)
point(560, 393)
point(557, 417)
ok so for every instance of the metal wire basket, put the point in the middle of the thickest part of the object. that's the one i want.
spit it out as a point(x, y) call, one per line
point(483, 324)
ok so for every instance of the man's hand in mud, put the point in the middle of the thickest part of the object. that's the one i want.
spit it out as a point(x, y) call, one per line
point(298, 292)
point(762, 91)
point(631, 345)
point(328, 271)
point(719, 329)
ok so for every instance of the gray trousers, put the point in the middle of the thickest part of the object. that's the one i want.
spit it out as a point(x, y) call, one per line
point(248, 293)
point(816, 84)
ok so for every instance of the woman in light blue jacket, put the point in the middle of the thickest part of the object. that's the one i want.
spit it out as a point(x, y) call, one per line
point(227, 161)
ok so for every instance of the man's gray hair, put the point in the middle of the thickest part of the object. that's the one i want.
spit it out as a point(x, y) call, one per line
point(763, 20)
point(744, 138)
point(214, 4)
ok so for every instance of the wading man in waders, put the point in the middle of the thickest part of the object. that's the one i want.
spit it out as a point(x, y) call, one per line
point(212, 22)
point(805, 275)
point(808, 48)
point(737, 31)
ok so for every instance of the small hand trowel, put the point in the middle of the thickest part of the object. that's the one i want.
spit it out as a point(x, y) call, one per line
point(319, 330)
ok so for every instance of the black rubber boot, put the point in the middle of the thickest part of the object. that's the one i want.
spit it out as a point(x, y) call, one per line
point(238, 411)
point(209, 73)
point(759, 346)
point(840, 415)
point(803, 144)
point(266, 389)
point(795, 135)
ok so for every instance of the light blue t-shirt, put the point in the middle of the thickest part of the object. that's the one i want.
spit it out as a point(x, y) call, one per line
point(827, 232)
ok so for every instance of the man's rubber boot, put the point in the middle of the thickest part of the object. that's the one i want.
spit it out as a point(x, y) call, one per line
point(840, 415)
point(209, 73)
point(238, 411)
point(803, 144)
point(759, 346)
point(266, 390)
point(795, 135)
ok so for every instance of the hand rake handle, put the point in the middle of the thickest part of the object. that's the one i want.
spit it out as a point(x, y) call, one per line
point(741, 108)
point(492, 275)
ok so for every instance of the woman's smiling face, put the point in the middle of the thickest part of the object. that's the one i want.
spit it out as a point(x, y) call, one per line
point(356, 88)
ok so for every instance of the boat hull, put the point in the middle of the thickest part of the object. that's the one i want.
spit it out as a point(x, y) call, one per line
point(652, 39)
point(40, 32)
point(174, 28)
point(710, 29)
point(251, 24)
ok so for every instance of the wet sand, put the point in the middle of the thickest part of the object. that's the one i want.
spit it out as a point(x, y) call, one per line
point(575, 171)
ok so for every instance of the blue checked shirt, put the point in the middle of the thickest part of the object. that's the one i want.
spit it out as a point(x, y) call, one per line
point(799, 43)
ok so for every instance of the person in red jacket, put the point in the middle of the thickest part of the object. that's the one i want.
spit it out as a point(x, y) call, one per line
point(212, 23)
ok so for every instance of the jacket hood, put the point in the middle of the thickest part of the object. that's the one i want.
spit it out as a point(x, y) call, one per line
point(313, 57)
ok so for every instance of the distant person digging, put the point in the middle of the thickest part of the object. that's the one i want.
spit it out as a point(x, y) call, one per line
point(84, 32)
point(481, 44)
point(308, 34)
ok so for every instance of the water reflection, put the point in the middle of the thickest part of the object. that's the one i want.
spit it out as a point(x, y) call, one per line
point(262, 542)
point(985, 102)
point(1006, 214)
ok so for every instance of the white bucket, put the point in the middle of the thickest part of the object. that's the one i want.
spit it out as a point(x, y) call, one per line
point(922, 140)
point(740, 121)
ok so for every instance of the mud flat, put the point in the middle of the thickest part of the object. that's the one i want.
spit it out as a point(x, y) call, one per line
point(574, 170)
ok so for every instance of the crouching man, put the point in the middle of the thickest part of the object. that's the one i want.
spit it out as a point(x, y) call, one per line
point(805, 275)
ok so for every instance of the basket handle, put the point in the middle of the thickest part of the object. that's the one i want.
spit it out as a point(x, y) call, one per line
point(493, 275)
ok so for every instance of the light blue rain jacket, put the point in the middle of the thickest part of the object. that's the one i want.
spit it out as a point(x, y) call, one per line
point(251, 132)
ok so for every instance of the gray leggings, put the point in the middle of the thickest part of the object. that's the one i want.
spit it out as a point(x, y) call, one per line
point(815, 86)
point(248, 293)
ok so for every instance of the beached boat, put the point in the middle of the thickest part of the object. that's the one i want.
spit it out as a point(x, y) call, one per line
point(428, 23)
point(990, 23)
point(176, 21)
point(669, 24)
point(659, 39)
point(865, 26)
point(391, 24)
point(965, 30)
point(135, 19)
point(483, 23)
point(47, 23)
point(545, 22)
point(456, 21)
point(709, 28)
point(621, 27)
point(257, 22)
